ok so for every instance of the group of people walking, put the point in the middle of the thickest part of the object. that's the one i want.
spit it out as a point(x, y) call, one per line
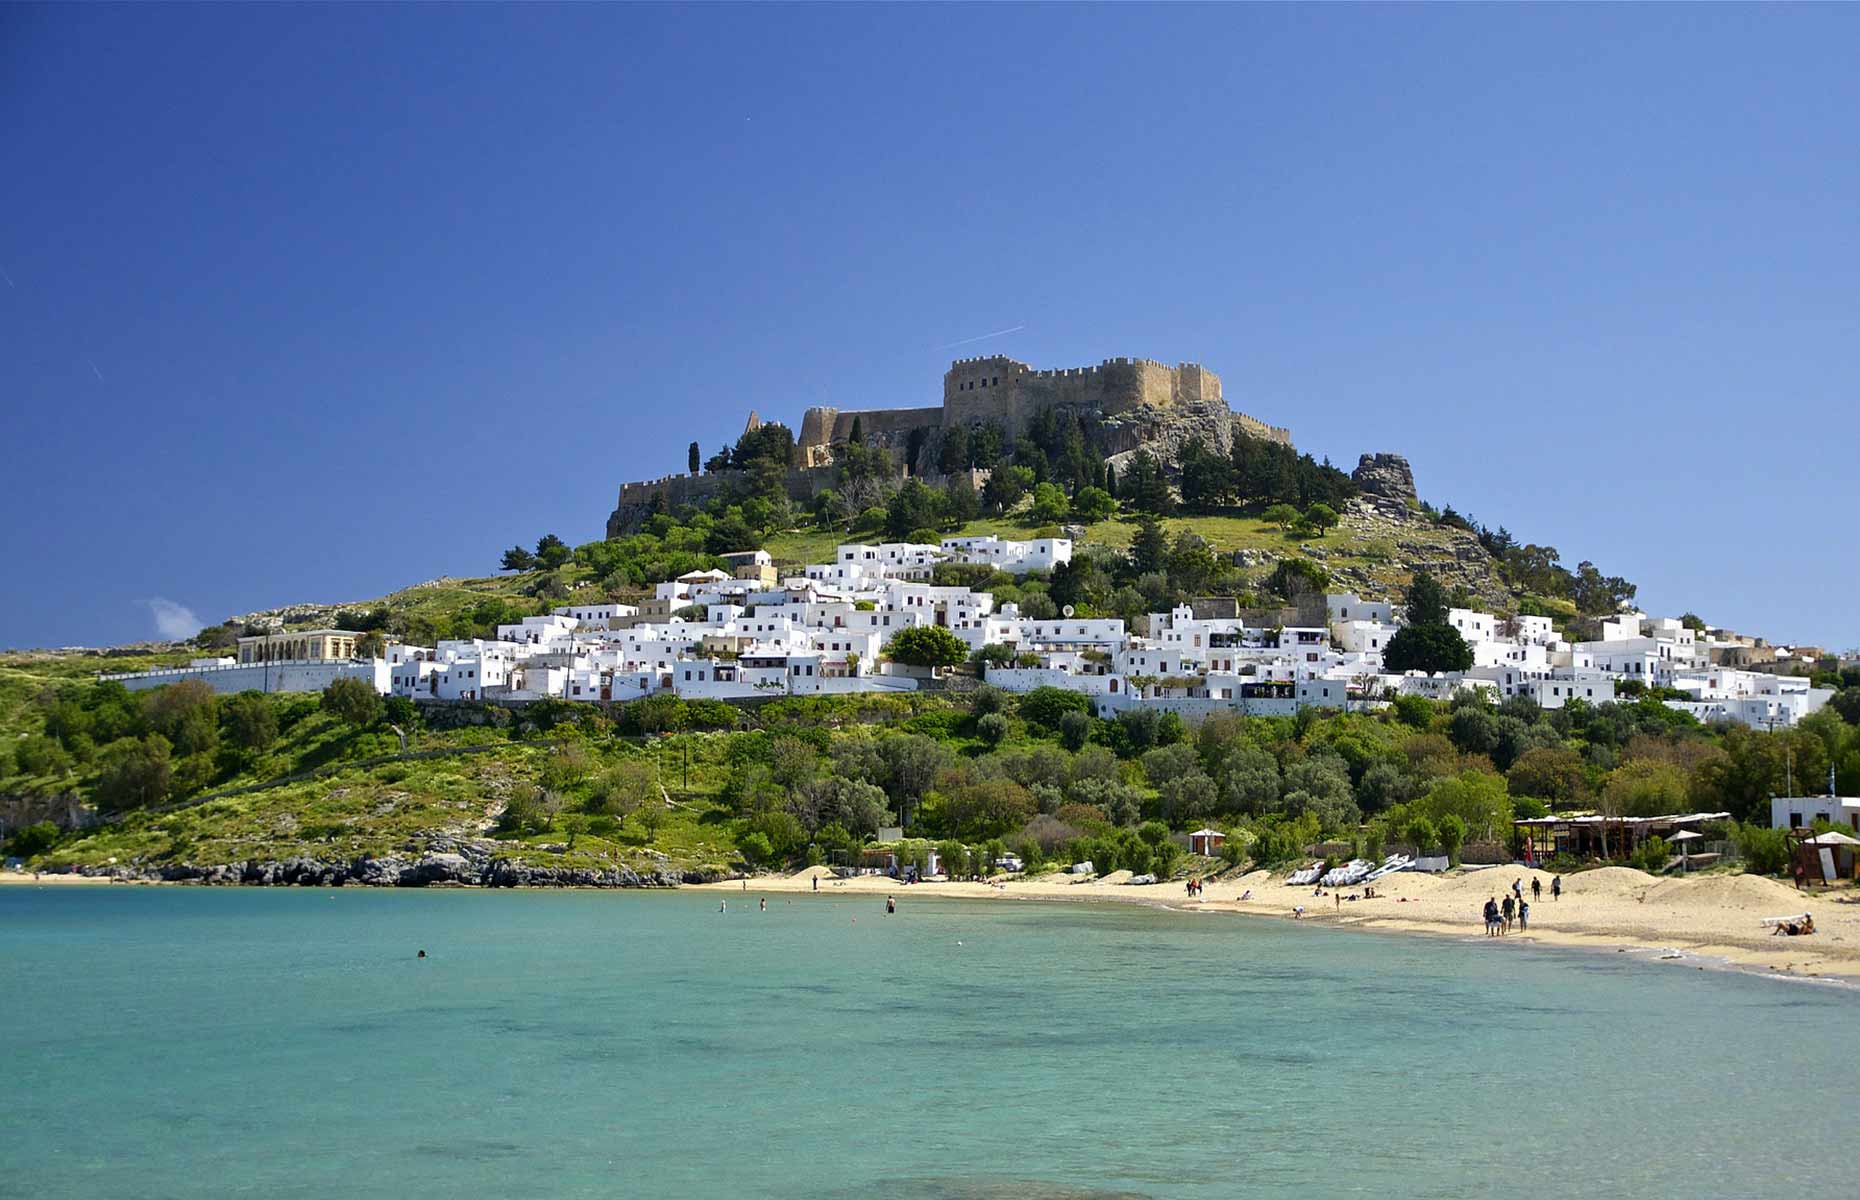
point(1500, 914)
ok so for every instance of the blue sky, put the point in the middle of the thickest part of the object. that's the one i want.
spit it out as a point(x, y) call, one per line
point(309, 303)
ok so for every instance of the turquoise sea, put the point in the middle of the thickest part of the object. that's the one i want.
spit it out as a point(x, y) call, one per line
point(288, 1043)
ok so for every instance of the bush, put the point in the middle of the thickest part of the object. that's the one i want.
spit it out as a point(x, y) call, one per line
point(32, 840)
point(711, 714)
point(1765, 851)
point(992, 728)
point(1652, 855)
point(1074, 730)
point(1047, 706)
point(1416, 712)
point(352, 701)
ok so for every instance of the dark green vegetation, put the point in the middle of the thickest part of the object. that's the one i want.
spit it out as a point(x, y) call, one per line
point(168, 775)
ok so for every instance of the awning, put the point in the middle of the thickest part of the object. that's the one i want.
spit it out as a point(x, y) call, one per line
point(1831, 838)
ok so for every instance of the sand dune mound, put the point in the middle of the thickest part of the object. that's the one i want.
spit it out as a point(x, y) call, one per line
point(813, 873)
point(1727, 891)
point(1480, 884)
point(1116, 877)
point(1608, 883)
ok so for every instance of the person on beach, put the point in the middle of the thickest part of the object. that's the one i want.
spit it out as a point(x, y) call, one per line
point(1537, 888)
point(1506, 910)
point(1524, 914)
point(816, 883)
point(1517, 888)
point(1491, 916)
point(1298, 912)
point(1556, 888)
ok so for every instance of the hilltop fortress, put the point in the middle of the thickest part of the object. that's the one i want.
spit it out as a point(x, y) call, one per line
point(1125, 404)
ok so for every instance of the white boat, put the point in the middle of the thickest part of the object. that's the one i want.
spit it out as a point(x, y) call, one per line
point(1390, 865)
point(1349, 873)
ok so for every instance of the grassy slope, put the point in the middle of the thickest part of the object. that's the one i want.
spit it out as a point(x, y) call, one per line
point(349, 810)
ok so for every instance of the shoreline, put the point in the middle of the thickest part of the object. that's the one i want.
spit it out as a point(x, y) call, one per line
point(1703, 922)
point(1709, 922)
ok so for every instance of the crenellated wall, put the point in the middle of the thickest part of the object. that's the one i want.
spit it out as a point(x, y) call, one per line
point(1126, 402)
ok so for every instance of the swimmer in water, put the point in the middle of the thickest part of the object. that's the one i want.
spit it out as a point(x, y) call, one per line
point(723, 906)
point(891, 905)
point(765, 904)
point(421, 954)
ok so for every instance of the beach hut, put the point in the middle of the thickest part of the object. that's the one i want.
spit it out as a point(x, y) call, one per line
point(1831, 855)
point(1206, 841)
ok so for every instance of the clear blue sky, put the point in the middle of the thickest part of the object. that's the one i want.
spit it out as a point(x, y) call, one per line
point(309, 303)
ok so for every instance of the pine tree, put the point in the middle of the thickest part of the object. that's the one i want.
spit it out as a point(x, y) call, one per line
point(1149, 550)
point(1110, 479)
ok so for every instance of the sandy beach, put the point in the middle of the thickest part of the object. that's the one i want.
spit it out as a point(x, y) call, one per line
point(27, 879)
point(1698, 922)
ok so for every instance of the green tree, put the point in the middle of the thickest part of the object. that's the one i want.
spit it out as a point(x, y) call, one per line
point(250, 721)
point(1427, 600)
point(136, 774)
point(953, 454)
point(1283, 515)
point(1475, 797)
point(624, 788)
point(1452, 834)
point(1049, 504)
point(1421, 833)
point(518, 559)
point(1006, 486)
point(1047, 706)
point(352, 700)
point(693, 458)
point(1321, 517)
point(551, 552)
point(1149, 549)
point(1553, 774)
point(1430, 648)
point(927, 646)
point(1092, 504)
point(30, 841)
point(913, 506)
point(1646, 788)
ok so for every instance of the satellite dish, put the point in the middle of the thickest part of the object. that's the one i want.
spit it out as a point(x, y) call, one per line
point(1066, 611)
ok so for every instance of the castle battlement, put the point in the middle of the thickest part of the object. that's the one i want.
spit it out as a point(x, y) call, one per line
point(1125, 402)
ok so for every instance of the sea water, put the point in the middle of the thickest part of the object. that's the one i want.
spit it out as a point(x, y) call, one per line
point(289, 1043)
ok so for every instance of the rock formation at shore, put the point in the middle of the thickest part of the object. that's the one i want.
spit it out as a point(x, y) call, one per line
point(442, 861)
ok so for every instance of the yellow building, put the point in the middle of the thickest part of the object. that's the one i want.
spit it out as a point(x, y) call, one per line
point(313, 645)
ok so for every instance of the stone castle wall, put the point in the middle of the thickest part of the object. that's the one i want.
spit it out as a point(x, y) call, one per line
point(1129, 403)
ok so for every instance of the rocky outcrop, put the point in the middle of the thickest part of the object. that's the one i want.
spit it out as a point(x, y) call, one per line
point(1385, 475)
point(437, 860)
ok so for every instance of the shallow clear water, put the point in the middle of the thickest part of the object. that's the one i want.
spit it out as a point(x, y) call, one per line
point(285, 1043)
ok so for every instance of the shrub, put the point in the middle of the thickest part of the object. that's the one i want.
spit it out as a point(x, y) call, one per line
point(352, 701)
point(992, 728)
point(32, 840)
point(1652, 855)
point(1074, 730)
point(1047, 706)
point(710, 714)
point(1765, 851)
